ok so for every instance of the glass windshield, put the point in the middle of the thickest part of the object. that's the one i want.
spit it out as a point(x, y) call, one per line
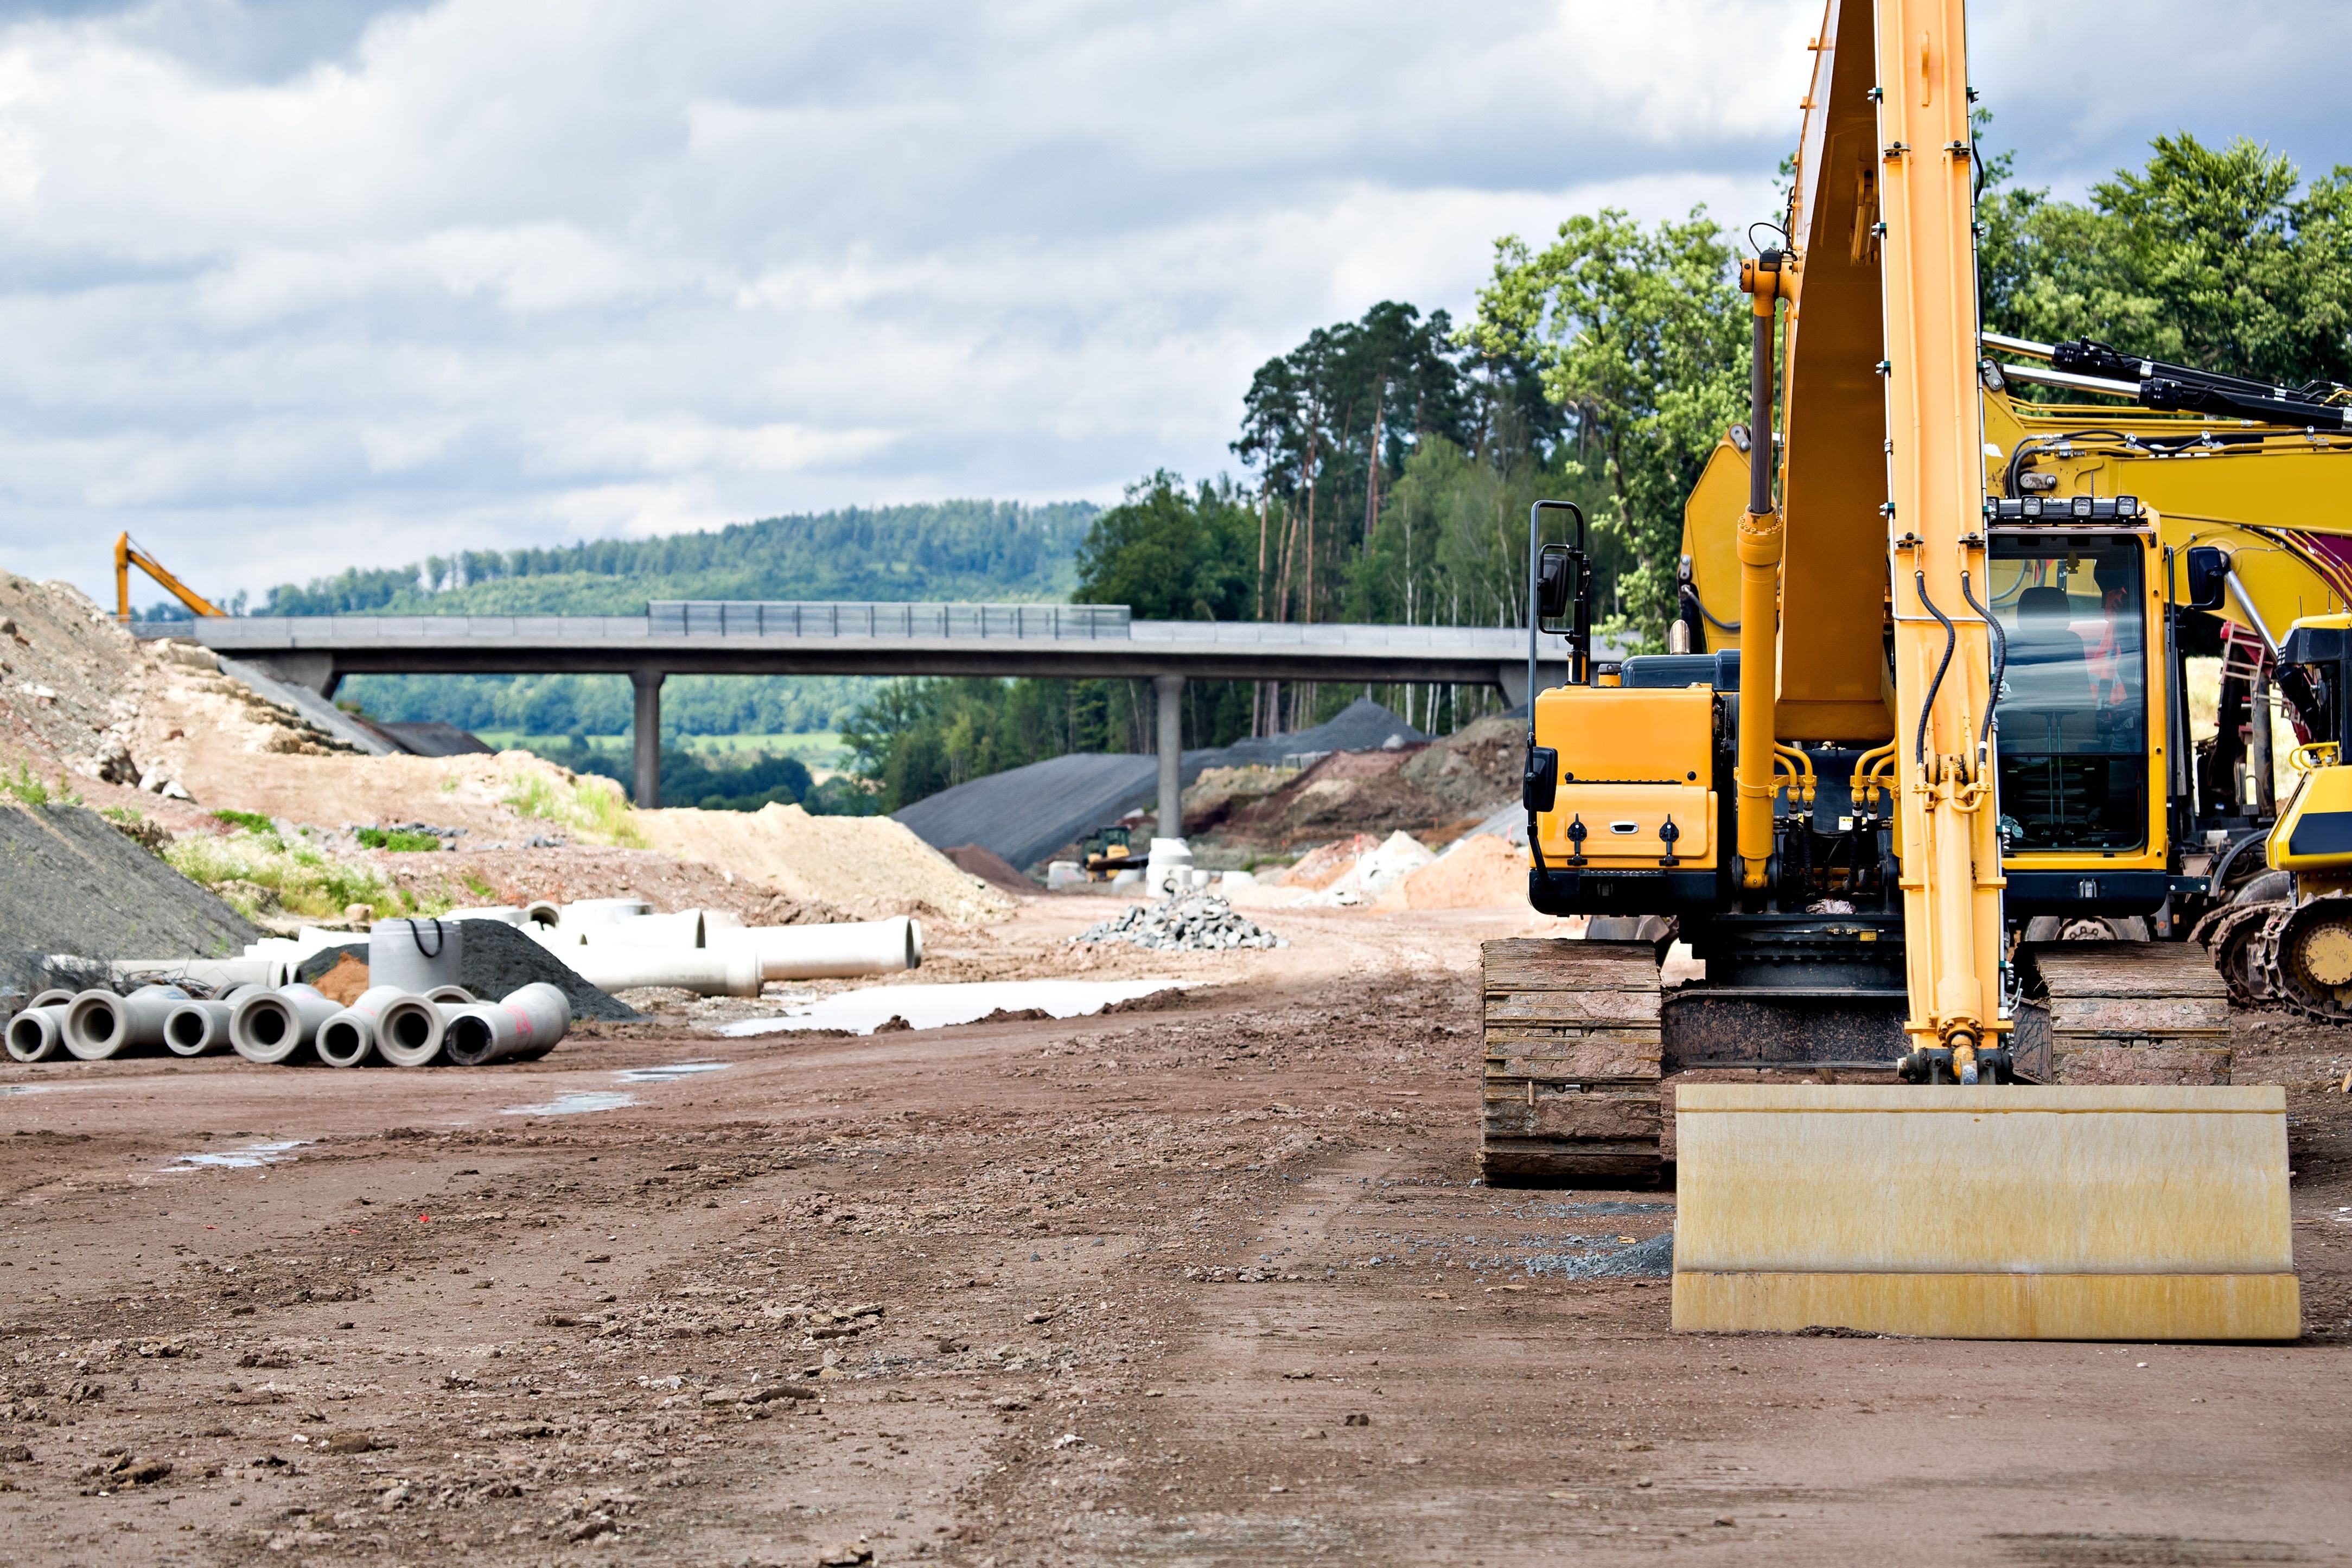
point(2073, 712)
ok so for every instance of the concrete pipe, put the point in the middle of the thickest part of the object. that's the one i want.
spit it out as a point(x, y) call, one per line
point(543, 912)
point(409, 1031)
point(451, 997)
point(587, 912)
point(525, 1024)
point(99, 1023)
point(348, 1039)
point(684, 929)
point(38, 1034)
point(270, 1026)
point(733, 971)
point(823, 952)
point(201, 1027)
point(505, 914)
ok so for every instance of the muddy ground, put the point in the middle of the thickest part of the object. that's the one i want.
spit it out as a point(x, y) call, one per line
point(1206, 1284)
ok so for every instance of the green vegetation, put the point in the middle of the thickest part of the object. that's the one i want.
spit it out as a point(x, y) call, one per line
point(589, 808)
point(251, 821)
point(25, 790)
point(260, 873)
point(397, 839)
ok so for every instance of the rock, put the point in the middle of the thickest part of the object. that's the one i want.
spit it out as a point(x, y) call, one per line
point(1195, 922)
point(348, 1443)
point(844, 1554)
point(1357, 1419)
point(772, 1391)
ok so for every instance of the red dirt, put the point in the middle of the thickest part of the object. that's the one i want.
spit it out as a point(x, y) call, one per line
point(1131, 1312)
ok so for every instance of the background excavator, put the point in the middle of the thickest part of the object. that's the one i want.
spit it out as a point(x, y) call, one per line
point(1912, 717)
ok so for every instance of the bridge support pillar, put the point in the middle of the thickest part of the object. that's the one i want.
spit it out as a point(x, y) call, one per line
point(1167, 693)
point(646, 733)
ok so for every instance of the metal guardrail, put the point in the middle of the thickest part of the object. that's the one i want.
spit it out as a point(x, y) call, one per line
point(794, 618)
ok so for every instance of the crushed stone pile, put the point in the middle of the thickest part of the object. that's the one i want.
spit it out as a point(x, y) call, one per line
point(71, 882)
point(1194, 922)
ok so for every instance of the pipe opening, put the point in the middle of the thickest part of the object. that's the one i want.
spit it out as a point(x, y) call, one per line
point(25, 1037)
point(267, 1023)
point(469, 1040)
point(339, 1038)
point(102, 1024)
point(410, 1028)
point(186, 1029)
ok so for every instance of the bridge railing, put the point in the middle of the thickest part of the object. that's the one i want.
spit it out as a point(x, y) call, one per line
point(794, 618)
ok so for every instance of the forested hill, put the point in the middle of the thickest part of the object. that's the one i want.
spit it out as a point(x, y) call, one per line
point(951, 550)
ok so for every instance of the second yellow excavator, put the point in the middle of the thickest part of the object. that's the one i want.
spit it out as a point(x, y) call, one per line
point(1949, 715)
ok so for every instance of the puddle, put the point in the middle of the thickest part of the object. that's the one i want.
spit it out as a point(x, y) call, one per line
point(936, 1006)
point(243, 1159)
point(21, 1087)
point(670, 1074)
point(575, 1103)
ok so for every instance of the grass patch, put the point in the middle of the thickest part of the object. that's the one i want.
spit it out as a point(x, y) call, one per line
point(401, 838)
point(25, 790)
point(478, 886)
point(261, 874)
point(251, 821)
point(587, 808)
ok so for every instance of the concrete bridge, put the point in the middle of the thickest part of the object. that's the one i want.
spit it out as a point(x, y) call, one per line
point(783, 637)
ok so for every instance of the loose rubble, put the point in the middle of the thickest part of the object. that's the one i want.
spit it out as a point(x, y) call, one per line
point(1193, 922)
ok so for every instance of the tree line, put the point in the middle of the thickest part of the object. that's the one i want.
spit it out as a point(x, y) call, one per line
point(1388, 462)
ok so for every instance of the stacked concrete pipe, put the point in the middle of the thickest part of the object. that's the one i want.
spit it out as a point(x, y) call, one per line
point(39, 1033)
point(201, 1027)
point(99, 1023)
point(523, 1024)
point(272, 1026)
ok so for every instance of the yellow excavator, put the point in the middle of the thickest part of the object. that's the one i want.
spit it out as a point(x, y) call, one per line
point(1958, 712)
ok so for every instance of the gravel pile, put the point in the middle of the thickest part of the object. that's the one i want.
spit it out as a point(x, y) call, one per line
point(1194, 922)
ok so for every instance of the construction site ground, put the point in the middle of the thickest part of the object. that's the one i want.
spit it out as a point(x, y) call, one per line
point(1209, 1282)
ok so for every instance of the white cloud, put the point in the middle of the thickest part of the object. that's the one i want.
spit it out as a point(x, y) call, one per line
point(292, 284)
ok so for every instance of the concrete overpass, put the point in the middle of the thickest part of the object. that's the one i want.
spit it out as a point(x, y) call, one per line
point(787, 638)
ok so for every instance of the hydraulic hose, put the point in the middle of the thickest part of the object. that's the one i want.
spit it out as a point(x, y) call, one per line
point(1999, 660)
point(1951, 641)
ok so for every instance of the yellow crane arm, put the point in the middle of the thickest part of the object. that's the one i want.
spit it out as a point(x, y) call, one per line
point(126, 556)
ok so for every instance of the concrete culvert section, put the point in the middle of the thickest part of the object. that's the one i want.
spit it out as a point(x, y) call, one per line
point(200, 1027)
point(37, 1034)
point(101, 1024)
point(526, 1025)
point(408, 1032)
point(270, 1026)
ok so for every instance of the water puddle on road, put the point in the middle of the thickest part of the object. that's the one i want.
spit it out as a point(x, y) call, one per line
point(244, 1159)
point(669, 1074)
point(22, 1087)
point(938, 1006)
point(575, 1103)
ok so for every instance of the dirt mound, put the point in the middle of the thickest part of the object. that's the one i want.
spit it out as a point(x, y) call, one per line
point(1319, 868)
point(475, 878)
point(979, 860)
point(1476, 766)
point(870, 865)
point(72, 883)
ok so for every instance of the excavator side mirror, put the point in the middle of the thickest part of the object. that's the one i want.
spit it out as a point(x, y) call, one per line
point(2208, 567)
point(1556, 571)
point(1539, 787)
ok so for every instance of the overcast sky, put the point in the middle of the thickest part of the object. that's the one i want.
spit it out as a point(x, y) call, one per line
point(287, 285)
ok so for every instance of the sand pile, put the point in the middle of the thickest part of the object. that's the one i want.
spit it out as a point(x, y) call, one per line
point(869, 865)
point(1483, 872)
point(1319, 868)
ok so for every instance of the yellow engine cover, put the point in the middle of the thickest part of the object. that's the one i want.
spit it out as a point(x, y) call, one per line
point(2314, 832)
point(1629, 759)
point(1988, 1213)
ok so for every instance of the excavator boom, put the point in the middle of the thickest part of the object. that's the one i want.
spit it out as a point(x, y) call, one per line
point(126, 556)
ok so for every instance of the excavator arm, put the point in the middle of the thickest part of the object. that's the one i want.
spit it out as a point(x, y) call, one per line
point(126, 556)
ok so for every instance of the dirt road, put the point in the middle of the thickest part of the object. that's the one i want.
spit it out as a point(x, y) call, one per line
point(1207, 1284)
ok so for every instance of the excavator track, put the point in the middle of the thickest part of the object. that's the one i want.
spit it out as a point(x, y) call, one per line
point(2306, 957)
point(1573, 1054)
point(2233, 935)
point(2123, 1012)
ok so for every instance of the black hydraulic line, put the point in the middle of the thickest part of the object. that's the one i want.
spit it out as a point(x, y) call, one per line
point(1690, 596)
point(1951, 641)
point(1999, 658)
